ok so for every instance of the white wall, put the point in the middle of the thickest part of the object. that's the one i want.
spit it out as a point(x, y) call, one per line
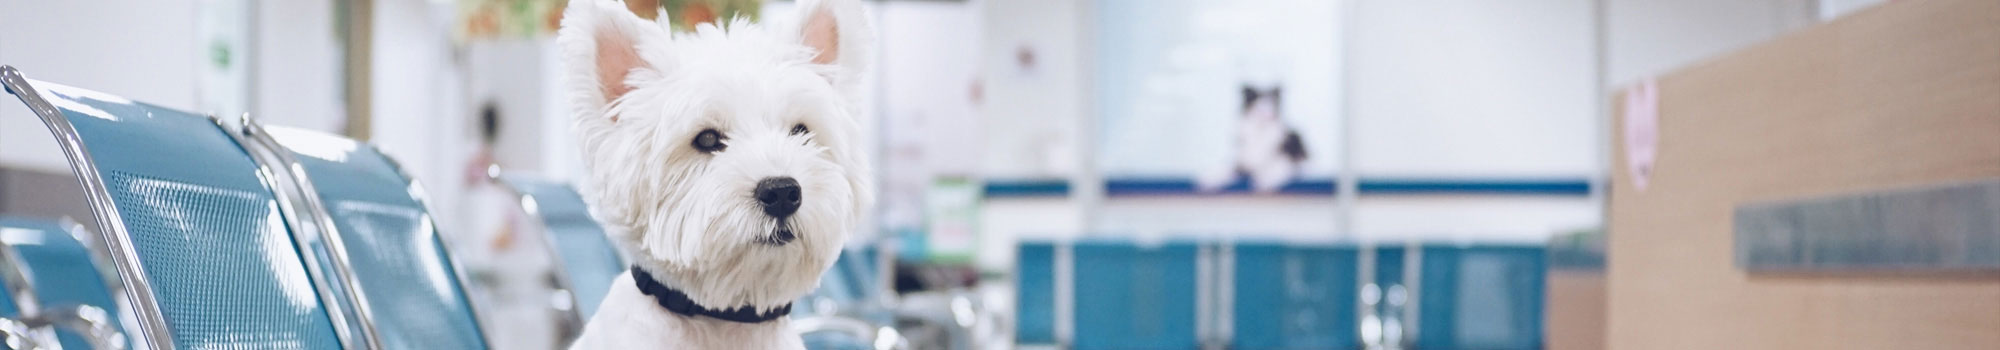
point(1031, 117)
point(417, 113)
point(298, 69)
point(929, 64)
point(1830, 9)
point(1473, 90)
point(1298, 218)
point(142, 50)
point(509, 73)
point(1167, 79)
point(1031, 120)
point(1653, 37)
point(1483, 219)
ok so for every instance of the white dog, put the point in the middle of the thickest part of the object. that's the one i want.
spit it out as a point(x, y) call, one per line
point(727, 162)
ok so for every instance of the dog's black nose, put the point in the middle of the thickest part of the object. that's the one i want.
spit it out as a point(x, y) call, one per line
point(779, 195)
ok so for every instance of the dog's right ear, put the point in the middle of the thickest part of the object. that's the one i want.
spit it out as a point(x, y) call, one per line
point(601, 42)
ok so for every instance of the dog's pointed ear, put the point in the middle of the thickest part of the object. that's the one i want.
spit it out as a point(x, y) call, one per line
point(601, 42)
point(840, 35)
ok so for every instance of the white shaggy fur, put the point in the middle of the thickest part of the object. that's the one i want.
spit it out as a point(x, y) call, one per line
point(640, 95)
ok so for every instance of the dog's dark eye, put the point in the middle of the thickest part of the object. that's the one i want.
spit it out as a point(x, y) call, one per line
point(799, 129)
point(709, 141)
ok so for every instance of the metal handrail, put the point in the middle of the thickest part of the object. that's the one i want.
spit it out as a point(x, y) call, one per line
point(297, 191)
point(95, 250)
point(94, 323)
point(881, 338)
point(18, 335)
point(416, 192)
point(572, 321)
point(111, 226)
point(14, 276)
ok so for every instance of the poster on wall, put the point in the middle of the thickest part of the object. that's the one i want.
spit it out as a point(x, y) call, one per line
point(951, 216)
point(1218, 96)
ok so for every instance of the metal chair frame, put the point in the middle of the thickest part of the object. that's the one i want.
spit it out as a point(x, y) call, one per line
point(304, 217)
point(415, 189)
point(94, 323)
point(111, 226)
point(309, 221)
point(572, 315)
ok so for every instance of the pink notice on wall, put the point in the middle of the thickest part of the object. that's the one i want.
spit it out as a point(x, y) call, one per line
point(1642, 130)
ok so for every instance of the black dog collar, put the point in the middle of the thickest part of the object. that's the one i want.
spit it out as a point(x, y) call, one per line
point(677, 302)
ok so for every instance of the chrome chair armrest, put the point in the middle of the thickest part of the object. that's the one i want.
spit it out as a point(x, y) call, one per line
point(94, 323)
point(18, 335)
point(955, 316)
point(880, 337)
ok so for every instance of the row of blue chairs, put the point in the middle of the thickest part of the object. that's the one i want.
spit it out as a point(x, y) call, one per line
point(1194, 294)
point(585, 261)
point(255, 237)
point(54, 294)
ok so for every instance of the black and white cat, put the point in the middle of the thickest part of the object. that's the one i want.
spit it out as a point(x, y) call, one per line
point(1268, 151)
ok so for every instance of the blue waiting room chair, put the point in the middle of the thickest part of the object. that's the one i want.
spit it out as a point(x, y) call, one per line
point(1480, 297)
point(1109, 294)
point(845, 313)
point(1119, 294)
point(195, 227)
point(1139, 296)
point(14, 334)
point(1035, 293)
point(403, 273)
point(586, 261)
point(1294, 296)
point(57, 274)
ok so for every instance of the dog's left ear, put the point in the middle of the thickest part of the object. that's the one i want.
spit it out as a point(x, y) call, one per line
point(839, 34)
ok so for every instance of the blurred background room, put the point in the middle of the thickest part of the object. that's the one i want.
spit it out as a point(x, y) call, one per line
point(1107, 174)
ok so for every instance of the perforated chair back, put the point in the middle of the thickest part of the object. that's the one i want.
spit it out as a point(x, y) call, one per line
point(1481, 297)
point(1137, 296)
point(62, 272)
point(1035, 293)
point(1295, 296)
point(405, 276)
point(191, 222)
point(586, 258)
